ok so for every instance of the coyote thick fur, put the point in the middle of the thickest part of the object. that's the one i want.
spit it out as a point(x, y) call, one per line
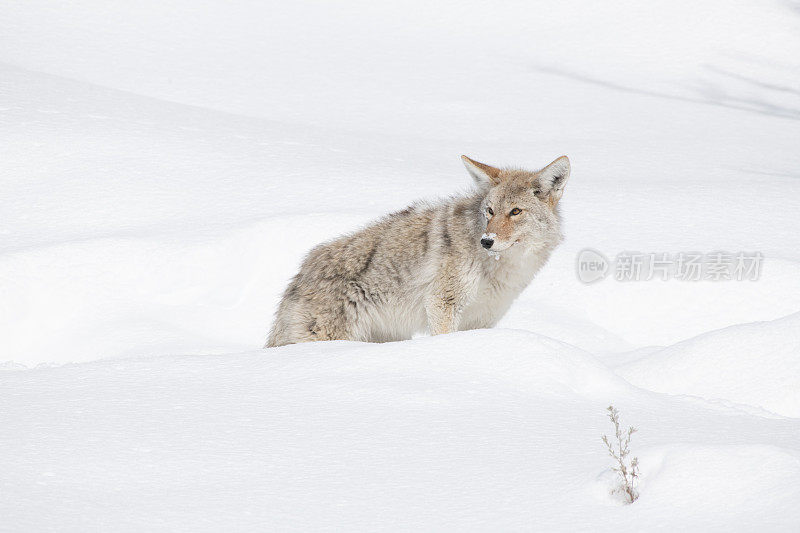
point(438, 267)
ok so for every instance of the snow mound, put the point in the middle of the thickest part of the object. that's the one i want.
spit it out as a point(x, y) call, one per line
point(756, 364)
point(538, 365)
point(299, 436)
point(488, 429)
point(700, 483)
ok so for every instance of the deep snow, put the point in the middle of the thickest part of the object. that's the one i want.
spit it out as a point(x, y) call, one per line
point(165, 165)
point(447, 433)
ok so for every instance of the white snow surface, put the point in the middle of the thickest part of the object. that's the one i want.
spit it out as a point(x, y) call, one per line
point(756, 364)
point(165, 166)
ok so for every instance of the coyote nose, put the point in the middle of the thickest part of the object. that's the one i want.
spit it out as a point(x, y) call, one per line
point(487, 243)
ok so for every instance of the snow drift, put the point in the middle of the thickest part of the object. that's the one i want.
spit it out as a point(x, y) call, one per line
point(755, 364)
point(477, 430)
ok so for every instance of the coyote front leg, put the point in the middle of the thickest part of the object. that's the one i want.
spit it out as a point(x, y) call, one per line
point(445, 303)
point(443, 316)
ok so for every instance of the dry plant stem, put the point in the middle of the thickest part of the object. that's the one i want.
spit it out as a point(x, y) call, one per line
point(628, 473)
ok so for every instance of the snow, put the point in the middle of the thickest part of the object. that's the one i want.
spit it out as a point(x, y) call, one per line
point(757, 364)
point(165, 166)
point(446, 433)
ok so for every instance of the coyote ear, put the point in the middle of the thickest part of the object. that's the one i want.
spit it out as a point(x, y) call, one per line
point(552, 178)
point(482, 174)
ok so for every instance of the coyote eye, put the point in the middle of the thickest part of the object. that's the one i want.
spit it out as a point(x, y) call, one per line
point(489, 210)
point(515, 211)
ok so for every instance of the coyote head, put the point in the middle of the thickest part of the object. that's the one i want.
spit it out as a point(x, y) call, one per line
point(520, 205)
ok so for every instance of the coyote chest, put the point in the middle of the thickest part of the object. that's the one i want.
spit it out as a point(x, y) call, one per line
point(498, 289)
point(426, 268)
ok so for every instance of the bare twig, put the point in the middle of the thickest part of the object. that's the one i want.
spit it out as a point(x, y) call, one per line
point(628, 470)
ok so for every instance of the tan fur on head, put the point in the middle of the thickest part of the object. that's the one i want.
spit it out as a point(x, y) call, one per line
point(523, 203)
point(481, 172)
point(502, 225)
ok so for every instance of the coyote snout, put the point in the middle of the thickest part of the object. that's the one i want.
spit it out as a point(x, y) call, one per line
point(427, 267)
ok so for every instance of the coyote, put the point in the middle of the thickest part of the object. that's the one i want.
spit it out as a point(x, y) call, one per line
point(438, 267)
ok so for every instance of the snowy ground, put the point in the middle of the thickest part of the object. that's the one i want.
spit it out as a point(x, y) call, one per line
point(165, 165)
